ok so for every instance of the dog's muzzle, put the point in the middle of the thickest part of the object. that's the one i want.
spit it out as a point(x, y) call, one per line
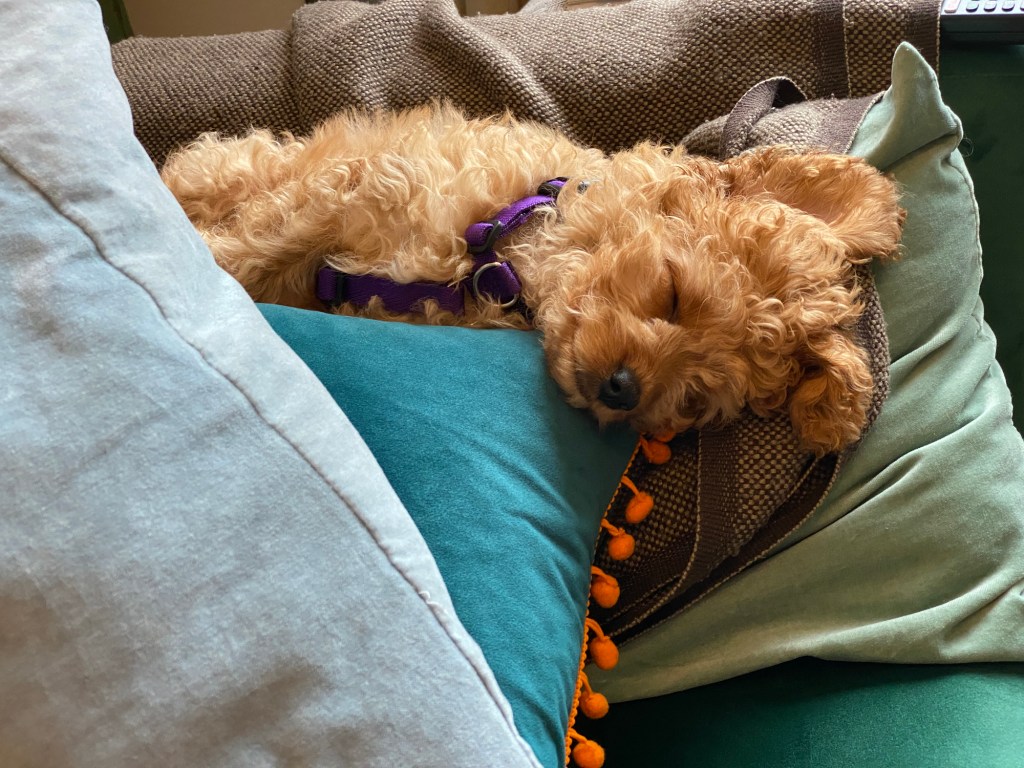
point(621, 390)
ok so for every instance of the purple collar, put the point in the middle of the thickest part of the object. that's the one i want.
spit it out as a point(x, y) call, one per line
point(491, 277)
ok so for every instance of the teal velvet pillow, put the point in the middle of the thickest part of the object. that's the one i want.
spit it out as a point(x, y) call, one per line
point(505, 481)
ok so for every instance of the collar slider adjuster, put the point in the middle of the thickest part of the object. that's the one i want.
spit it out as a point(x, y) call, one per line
point(493, 234)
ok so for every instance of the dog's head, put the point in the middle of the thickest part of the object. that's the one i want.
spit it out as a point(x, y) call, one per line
point(685, 289)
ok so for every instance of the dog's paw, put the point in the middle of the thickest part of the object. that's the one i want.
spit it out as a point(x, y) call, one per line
point(828, 408)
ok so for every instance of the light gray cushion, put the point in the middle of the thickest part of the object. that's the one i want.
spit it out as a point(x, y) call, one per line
point(200, 561)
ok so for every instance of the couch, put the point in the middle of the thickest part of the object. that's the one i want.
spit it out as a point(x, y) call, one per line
point(238, 535)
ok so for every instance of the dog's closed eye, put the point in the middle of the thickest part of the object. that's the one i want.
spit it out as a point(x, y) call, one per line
point(667, 297)
point(673, 313)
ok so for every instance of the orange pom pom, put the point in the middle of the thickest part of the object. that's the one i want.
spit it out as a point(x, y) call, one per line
point(603, 652)
point(588, 754)
point(664, 437)
point(621, 547)
point(656, 452)
point(594, 705)
point(639, 507)
point(605, 591)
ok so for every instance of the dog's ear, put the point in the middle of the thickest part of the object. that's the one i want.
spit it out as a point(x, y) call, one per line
point(859, 204)
point(693, 181)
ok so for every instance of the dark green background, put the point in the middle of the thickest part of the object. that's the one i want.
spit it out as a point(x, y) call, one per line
point(985, 87)
point(816, 714)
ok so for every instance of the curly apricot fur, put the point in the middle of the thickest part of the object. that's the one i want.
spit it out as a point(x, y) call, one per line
point(722, 286)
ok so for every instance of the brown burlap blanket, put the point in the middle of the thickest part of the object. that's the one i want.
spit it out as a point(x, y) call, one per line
point(706, 72)
point(607, 76)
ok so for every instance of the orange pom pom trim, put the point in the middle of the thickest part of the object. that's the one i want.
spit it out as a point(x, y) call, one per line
point(640, 506)
point(603, 653)
point(603, 587)
point(655, 450)
point(592, 704)
point(605, 591)
point(586, 753)
point(621, 544)
point(601, 648)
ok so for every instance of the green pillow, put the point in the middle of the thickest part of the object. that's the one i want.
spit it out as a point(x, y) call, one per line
point(505, 481)
point(917, 553)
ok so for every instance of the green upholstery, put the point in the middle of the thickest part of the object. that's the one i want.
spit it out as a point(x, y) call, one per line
point(115, 20)
point(817, 714)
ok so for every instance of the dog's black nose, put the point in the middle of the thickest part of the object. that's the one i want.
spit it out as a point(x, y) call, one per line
point(621, 390)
